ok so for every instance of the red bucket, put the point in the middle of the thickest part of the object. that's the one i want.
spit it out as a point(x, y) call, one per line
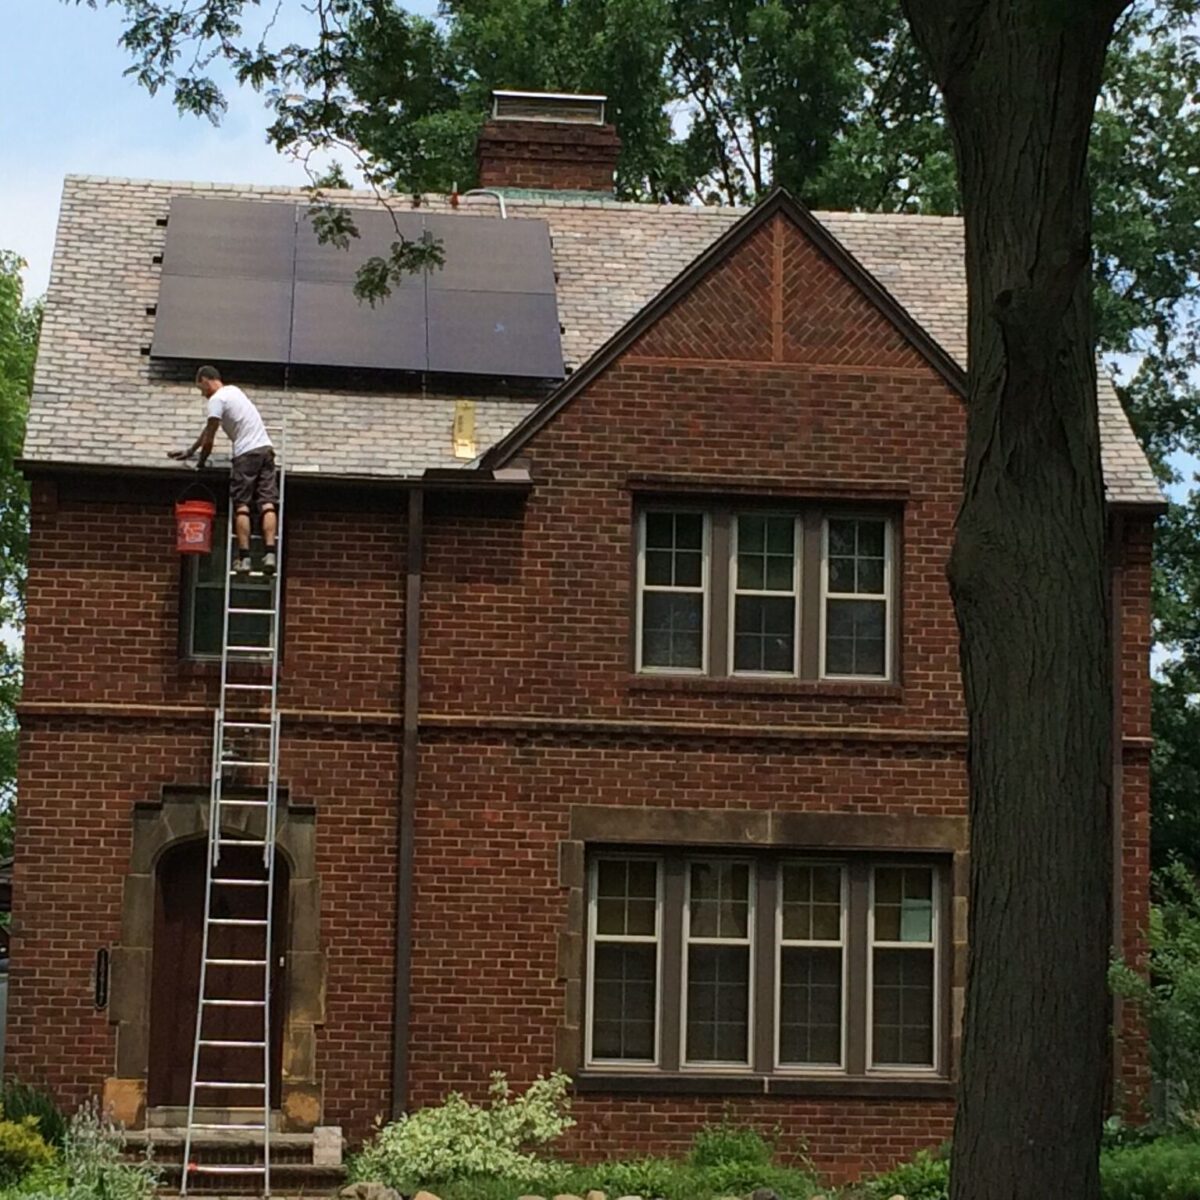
point(194, 526)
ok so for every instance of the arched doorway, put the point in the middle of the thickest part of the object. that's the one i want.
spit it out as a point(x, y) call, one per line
point(175, 980)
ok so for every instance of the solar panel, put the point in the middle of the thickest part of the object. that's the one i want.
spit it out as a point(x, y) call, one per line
point(487, 254)
point(506, 334)
point(223, 319)
point(230, 237)
point(248, 281)
point(331, 328)
point(376, 232)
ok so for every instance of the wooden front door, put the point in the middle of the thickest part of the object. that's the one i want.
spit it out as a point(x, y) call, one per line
point(175, 985)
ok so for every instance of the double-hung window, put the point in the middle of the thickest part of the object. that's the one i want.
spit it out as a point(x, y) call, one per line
point(203, 609)
point(772, 963)
point(751, 591)
point(673, 590)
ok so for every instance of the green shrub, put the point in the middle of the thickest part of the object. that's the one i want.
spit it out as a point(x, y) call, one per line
point(94, 1162)
point(645, 1177)
point(718, 1145)
point(20, 1100)
point(1166, 1169)
point(926, 1176)
point(22, 1150)
point(458, 1140)
point(1170, 998)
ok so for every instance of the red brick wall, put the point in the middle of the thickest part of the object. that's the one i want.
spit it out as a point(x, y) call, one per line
point(547, 155)
point(1134, 565)
point(530, 705)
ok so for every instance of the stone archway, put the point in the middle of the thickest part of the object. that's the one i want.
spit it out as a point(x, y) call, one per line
point(181, 815)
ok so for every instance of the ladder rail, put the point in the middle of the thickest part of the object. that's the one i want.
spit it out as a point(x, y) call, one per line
point(268, 724)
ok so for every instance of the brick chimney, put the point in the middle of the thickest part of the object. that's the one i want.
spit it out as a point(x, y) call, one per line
point(547, 141)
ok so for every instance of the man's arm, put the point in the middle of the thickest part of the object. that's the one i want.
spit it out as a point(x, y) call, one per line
point(204, 443)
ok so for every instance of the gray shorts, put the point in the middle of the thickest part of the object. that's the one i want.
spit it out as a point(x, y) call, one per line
point(253, 481)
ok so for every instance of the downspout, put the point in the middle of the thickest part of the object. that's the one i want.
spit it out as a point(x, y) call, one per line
point(1117, 561)
point(408, 798)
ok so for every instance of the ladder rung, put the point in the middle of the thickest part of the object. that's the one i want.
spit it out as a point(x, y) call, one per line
point(247, 724)
point(218, 1002)
point(205, 1169)
point(236, 962)
point(235, 921)
point(247, 803)
point(252, 612)
point(234, 1044)
point(216, 1083)
point(249, 687)
point(252, 575)
point(241, 882)
point(241, 842)
point(245, 762)
point(250, 649)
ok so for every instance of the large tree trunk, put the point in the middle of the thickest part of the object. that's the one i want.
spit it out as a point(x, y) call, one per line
point(1028, 574)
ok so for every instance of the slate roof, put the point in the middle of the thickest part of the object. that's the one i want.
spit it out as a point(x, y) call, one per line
point(98, 399)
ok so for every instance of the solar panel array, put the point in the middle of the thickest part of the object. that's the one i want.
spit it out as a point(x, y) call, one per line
point(249, 282)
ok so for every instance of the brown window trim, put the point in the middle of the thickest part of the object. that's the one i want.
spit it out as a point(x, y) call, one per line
point(720, 512)
point(855, 1077)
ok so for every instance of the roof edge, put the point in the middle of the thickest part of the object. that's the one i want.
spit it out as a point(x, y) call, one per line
point(780, 201)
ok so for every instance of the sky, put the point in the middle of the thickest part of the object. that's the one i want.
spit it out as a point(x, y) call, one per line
point(66, 108)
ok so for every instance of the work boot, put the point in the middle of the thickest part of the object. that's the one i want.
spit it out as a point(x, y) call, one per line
point(268, 563)
point(241, 563)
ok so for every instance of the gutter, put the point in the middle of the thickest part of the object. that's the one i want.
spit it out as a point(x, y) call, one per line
point(405, 822)
point(439, 479)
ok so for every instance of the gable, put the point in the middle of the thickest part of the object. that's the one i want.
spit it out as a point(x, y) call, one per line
point(776, 289)
point(778, 297)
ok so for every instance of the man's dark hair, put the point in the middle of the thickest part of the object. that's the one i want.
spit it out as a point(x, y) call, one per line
point(208, 373)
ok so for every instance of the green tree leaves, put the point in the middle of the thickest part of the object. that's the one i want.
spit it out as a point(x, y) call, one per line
point(19, 324)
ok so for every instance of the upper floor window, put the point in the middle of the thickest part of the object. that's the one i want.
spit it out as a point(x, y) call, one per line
point(759, 592)
point(203, 606)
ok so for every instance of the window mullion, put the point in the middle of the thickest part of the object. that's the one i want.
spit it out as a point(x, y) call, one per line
point(766, 936)
point(811, 617)
point(857, 950)
point(720, 603)
point(670, 1014)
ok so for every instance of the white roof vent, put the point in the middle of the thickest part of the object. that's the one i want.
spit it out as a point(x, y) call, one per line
point(548, 106)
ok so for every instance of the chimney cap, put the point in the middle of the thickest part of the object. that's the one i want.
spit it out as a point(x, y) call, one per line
point(571, 107)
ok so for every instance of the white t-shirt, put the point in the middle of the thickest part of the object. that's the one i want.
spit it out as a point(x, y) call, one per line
point(239, 418)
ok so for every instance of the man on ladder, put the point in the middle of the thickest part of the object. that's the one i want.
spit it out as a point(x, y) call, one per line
point(252, 475)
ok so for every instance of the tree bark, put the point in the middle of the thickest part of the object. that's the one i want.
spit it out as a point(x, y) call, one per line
point(1029, 578)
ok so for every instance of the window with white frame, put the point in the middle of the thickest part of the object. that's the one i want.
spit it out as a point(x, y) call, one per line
point(856, 570)
point(719, 918)
point(903, 966)
point(765, 593)
point(673, 564)
point(624, 960)
point(762, 592)
point(774, 962)
point(812, 910)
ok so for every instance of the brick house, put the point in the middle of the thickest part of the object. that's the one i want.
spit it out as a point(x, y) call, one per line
point(622, 720)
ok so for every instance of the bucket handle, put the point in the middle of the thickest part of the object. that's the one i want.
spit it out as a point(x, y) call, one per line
point(208, 492)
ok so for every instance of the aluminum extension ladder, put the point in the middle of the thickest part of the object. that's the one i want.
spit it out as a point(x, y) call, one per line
point(233, 1021)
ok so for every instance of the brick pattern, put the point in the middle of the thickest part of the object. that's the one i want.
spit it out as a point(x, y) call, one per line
point(529, 710)
point(727, 315)
point(547, 155)
point(827, 320)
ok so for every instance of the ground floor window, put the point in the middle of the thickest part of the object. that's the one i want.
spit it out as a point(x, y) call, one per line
point(777, 962)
